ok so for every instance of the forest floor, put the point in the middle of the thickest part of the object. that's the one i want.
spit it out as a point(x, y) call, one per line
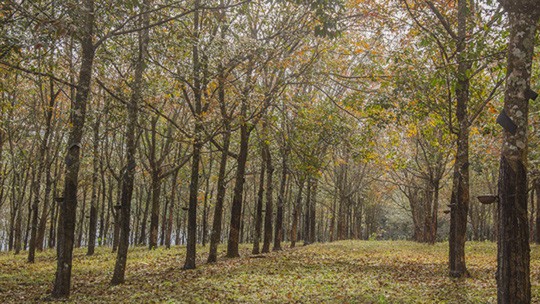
point(339, 272)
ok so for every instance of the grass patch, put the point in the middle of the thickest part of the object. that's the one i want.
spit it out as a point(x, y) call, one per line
point(340, 272)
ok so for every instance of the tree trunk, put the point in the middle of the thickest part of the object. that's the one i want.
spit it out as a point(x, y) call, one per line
point(269, 198)
point(42, 226)
point(307, 215)
point(164, 222)
point(193, 196)
point(460, 187)
point(37, 181)
point(18, 223)
point(513, 273)
point(197, 146)
point(117, 217)
point(296, 214)
point(258, 214)
point(215, 235)
point(278, 235)
point(168, 233)
point(102, 235)
point(68, 207)
point(81, 219)
point(333, 217)
point(313, 208)
point(531, 216)
point(154, 214)
point(205, 207)
point(144, 221)
point(236, 210)
point(434, 212)
point(51, 243)
point(242, 221)
point(128, 176)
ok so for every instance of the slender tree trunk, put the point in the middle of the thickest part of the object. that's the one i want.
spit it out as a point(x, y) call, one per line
point(360, 214)
point(41, 168)
point(42, 226)
point(460, 188)
point(168, 234)
point(269, 199)
point(68, 207)
point(12, 215)
point(164, 222)
point(197, 146)
point(54, 216)
point(531, 216)
point(117, 217)
point(81, 219)
point(296, 214)
point(258, 214)
point(435, 212)
point(215, 234)
point(18, 223)
point(278, 236)
point(313, 208)
point(236, 211)
point(307, 215)
point(513, 271)
point(333, 217)
point(154, 214)
point(101, 236)
point(192, 212)
point(144, 221)
point(242, 217)
point(128, 176)
point(27, 227)
point(109, 211)
point(205, 207)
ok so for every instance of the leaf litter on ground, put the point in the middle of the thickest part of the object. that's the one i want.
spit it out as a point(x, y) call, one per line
point(338, 272)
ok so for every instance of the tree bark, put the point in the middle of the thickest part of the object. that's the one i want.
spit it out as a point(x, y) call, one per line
point(513, 270)
point(81, 219)
point(115, 209)
point(258, 212)
point(128, 176)
point(460, 185)
point(168, 233)
point(154, 214)
point(434, 212)
point(47, 209)
point(269, 197)
point(142, 236)
point(215, 234)
point(313, 208)
point(278, 235)
point(236, 210)
point(205, 206)
point(296, 214)
point(37, 182)
point(197, 146)
point(68, 207)
point(307, 215)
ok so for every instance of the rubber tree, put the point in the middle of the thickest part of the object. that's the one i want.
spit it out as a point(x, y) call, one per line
point(197, 145)
point(513, 254)
point(128, 176)
point(459, 201)
point(68, 207)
